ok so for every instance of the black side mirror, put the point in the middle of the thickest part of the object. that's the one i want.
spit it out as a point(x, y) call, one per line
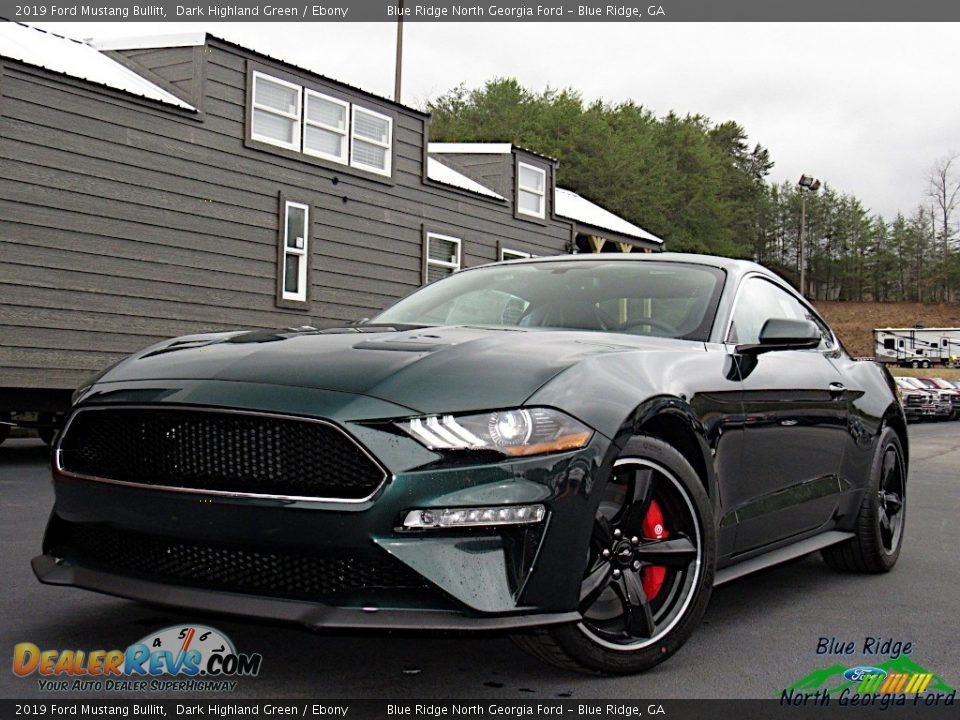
point(784, 334)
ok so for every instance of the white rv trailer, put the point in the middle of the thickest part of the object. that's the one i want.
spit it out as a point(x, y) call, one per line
point(918, 346)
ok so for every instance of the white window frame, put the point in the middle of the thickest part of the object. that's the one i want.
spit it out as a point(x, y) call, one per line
point(345, 133)
point(388, 146)
point(542, 193)
point(454, 265)
point(296, 117)
point(303, 253)
point(513, 254)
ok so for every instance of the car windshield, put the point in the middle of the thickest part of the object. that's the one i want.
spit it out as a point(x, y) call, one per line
point(666, 299)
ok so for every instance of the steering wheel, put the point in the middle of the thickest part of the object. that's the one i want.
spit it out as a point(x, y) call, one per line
point(659, 324)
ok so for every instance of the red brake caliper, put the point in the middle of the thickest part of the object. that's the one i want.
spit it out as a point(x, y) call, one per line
point(653, 529)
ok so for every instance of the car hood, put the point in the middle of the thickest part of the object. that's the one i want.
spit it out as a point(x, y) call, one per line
point(432, 370)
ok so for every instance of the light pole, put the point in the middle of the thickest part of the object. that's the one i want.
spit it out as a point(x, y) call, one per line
point(809, 184)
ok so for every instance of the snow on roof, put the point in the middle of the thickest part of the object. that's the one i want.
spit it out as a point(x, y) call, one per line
point(482, 148)
point(438, 172)
point(145, 42)
point(77, 59)
point(574, 207)
point(472, 148)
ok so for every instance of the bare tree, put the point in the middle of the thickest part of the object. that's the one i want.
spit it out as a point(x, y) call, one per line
point(944, 189)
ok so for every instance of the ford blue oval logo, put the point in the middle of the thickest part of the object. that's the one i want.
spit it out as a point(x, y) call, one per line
point(856, 674)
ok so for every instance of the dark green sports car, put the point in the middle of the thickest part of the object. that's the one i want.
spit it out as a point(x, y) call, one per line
point(575, 449)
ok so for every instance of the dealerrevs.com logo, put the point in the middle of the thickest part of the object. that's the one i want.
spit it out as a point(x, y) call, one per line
point(193, 658)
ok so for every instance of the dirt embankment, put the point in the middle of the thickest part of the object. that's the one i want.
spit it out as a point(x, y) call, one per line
point(854, 321)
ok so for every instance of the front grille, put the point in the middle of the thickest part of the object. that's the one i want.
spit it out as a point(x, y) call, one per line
point(295, 575)
point(915, 400)
point(219, 451)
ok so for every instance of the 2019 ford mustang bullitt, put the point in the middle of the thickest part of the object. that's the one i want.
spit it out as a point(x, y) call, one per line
point(575, 449)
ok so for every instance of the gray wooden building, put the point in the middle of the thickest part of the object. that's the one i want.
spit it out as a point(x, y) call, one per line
point(165, 186)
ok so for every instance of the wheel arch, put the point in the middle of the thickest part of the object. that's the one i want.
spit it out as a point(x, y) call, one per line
point(895, 420)
point(672, 420)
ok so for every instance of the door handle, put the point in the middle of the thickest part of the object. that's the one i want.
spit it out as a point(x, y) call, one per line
point(836, 389)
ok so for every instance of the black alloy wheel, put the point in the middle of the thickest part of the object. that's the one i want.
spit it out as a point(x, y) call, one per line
point(890, 500)
point(878, 530)
point(644, 557)
point(648, 571)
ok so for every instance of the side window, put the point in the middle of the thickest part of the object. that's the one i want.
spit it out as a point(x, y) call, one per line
point(760, 300)
point(293, 276)
point(325, 124)
point(306, 121)
point(508, 254)
point(371, 141)
point(441, 255)
point(276, 111)
point(531, 190)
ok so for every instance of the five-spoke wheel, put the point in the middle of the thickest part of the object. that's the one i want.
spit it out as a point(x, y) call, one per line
point(890, 498)
point(878, 530)
point(644, 557)
point(648, 567)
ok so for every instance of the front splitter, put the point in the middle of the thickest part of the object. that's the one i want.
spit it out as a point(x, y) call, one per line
point(312, 615)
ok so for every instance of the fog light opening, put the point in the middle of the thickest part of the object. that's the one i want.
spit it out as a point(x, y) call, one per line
point(473, 517)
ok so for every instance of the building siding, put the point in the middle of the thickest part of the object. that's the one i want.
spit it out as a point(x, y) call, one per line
point(123, 222)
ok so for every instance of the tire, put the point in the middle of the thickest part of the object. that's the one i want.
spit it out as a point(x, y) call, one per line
point(880, 520)
point(637, 612)
point(925, 364)
point(48, 432)
point(915, 364)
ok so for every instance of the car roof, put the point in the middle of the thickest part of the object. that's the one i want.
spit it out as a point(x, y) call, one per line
point(731, 265)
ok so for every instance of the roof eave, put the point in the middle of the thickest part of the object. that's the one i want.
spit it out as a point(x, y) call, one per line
point(636, 240)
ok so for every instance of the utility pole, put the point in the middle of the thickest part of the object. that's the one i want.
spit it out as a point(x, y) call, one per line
point(399, 62)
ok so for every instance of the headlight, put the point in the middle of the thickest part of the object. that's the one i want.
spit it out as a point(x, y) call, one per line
point(528, 431)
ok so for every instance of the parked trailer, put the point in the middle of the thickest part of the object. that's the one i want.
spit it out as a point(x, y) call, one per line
point(916, 346)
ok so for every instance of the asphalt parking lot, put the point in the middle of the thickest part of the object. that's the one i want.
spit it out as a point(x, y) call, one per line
point(759, 636)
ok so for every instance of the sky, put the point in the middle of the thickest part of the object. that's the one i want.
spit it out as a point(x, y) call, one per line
point(866, 107)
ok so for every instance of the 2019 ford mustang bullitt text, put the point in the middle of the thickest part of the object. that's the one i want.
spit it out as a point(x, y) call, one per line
point(575, 449)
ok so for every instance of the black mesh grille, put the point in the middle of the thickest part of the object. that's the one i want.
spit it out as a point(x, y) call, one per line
point(229, 452)
point(257, 572)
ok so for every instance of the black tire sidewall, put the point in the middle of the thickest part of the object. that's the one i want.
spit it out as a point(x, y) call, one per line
point(887, 438)
point(581, 647)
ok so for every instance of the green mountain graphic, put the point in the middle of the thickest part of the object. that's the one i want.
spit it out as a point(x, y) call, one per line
point(831, 678)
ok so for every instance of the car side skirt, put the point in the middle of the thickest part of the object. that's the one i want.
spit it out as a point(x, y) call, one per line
point(780, 555)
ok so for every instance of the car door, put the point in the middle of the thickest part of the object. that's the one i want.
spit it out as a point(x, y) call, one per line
point(796, 413)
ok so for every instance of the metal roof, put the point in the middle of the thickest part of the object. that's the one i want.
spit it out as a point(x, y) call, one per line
point(574, 207)
point(77, 59)
point(145, 42)
point(438, 172)
point(201, 38)
point(482, 148)
point(470, 148)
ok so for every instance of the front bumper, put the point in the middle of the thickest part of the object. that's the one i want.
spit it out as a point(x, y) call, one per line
point(308, 614)
point(221, 553)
